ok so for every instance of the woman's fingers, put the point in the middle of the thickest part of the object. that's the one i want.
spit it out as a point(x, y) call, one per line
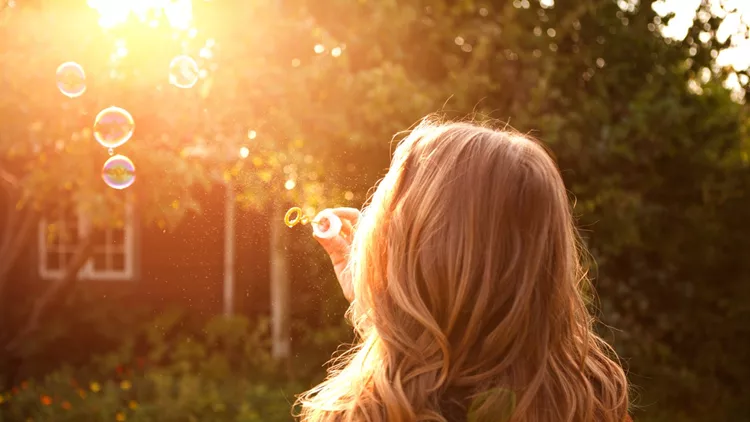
point(336, 247)
point(350, 214)
point(339, 246)
point(347, 230)
point(349, 218)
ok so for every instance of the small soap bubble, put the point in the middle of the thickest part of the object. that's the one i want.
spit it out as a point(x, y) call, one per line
point(118, 172)
point(251, 134)
point(328, 225)
point(336, 52)
point(244, 152)
point(290, 184)
point(111, 152)
point(183, 72)
point(71, 79)
point(113, 127)
point(319, 48)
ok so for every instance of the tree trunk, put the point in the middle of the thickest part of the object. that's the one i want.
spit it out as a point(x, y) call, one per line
point(16, 229)
point(280, 286)
point(14, 239)
point(229, 249)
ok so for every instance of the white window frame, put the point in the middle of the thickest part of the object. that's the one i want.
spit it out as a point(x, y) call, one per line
point(88, 272)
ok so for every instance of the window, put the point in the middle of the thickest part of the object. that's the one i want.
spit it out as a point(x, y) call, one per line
point(113, 249)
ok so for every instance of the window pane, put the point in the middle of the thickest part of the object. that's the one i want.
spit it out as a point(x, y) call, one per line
point(67, 259)
point(69, 235)
point(118, 262)
point(52, 234)
point(53, 261)
point(118, 236)
point(99, 237)
point(100, 262)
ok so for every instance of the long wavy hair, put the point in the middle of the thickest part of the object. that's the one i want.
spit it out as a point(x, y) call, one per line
point(467, 277)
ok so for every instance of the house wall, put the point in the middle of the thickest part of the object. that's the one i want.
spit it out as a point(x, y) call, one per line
point(183, 267)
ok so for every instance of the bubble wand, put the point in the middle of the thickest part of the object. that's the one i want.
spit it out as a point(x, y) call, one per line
point(326, 224)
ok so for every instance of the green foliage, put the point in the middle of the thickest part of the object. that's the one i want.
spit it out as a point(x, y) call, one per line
point(496, 405)
point(223, 372)
point(151, 396)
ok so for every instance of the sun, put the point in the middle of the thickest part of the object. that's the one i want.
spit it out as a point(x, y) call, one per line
point(112, 13)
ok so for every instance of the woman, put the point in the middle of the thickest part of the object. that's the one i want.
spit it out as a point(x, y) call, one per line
point(464, 278)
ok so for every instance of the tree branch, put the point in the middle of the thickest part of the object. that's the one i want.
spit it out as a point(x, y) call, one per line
point(11, 216)
point(12, 239)
point(13, 245)
point(8, 178)
point(53, 295)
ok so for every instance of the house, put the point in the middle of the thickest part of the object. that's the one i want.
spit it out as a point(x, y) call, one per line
point(139, 264)
point(180, 267)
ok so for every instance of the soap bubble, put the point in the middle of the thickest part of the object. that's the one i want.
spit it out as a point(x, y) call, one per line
point(183, 72)
point(118, 172)
point(326, 224)
point(71, 79)
point(111, 152)
point(113, 127)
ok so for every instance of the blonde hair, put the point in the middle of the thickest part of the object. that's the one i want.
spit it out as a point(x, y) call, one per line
point(467, 276)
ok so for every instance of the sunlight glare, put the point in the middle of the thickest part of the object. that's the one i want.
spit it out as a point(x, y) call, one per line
point(179, 13)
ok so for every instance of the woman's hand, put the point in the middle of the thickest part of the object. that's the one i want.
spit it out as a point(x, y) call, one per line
point(338, 248)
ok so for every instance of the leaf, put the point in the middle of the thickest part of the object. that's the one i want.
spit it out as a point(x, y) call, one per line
point(496, 405)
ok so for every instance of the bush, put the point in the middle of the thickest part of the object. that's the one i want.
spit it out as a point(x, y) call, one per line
point(223, 373)
point(155, 395)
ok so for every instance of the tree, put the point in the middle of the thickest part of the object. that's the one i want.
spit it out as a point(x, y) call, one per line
point(653, 151)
